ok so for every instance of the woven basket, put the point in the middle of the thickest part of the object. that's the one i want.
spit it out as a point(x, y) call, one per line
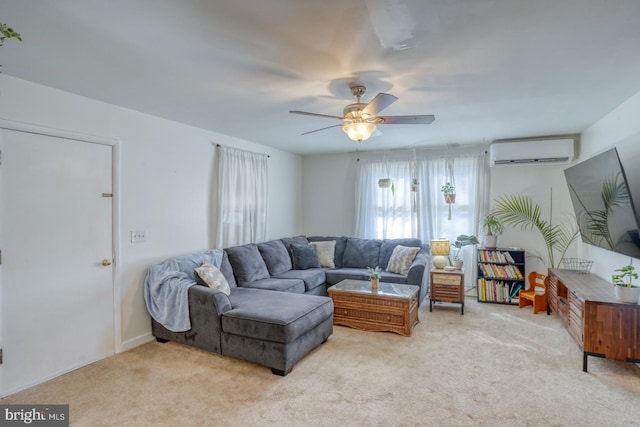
point(577, 264)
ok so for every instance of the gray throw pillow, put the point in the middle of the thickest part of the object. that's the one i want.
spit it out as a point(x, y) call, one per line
point(304, 257)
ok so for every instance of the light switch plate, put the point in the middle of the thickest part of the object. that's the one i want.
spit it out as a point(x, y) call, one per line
point(138, 236)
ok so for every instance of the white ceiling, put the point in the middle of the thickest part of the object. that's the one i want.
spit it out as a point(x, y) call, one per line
point(487, 69)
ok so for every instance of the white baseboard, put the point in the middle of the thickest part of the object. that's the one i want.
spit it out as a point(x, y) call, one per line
point(51, 376)
point(135, 342)
point(124, 346)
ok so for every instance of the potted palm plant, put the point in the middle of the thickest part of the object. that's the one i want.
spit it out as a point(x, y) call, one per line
point(492, 227)
point(519, 210)
point(623, 285)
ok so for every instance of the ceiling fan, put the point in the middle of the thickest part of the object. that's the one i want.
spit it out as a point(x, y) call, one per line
point(359, 120)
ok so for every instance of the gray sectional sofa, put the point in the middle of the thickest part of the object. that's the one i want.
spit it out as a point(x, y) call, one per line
point(277, 309)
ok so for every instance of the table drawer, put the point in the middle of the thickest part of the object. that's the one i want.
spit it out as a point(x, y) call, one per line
point(369, 316)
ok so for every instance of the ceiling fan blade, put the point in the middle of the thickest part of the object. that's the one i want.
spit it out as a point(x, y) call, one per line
point(407, 120)
point(317, 130)
point(379, 103)
point(304, 113)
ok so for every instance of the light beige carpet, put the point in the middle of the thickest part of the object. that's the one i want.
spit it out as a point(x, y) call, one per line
point(496, 365)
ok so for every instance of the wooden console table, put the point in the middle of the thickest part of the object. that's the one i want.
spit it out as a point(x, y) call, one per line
point(599, 324)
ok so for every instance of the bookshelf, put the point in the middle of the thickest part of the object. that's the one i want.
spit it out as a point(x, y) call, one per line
point(500, 275)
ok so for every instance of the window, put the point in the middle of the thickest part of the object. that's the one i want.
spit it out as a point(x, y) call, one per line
point(383, 214)
point(242, 197)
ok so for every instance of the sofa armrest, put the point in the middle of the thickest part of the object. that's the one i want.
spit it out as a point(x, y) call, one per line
point(417, 270)
point(207, 301)
point(419, 273)
point(205, 308)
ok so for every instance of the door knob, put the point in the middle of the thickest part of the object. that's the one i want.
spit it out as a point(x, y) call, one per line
point(106, 262)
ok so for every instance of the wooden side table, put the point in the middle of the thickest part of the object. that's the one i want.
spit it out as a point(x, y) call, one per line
point(446, 286)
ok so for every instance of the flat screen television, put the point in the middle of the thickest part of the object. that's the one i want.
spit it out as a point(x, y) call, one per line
point(603, 204)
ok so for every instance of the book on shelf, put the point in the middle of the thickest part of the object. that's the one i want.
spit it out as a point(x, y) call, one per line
point(515, 291)
point(496, 256)
point(506, 271)
point(496, 290)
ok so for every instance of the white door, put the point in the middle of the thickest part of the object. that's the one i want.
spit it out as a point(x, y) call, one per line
point(56, 296)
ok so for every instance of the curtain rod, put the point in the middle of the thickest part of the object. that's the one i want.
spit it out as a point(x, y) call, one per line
point(220, 145)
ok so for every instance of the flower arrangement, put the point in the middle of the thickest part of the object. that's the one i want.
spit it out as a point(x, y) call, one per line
point(374, 273)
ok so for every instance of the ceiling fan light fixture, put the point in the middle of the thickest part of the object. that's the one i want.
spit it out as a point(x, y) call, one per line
point(359, 131)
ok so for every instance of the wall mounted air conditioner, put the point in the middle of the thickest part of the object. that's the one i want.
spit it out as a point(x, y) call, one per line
point(531, 151)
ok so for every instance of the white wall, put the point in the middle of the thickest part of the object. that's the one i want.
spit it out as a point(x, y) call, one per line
point(328, 196)
point(166, 182)
point(546, 186)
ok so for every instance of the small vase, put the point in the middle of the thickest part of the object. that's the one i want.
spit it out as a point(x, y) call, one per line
point(457, 264)
point(374, 284)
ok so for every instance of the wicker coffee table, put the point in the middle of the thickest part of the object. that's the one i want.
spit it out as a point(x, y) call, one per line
point(392, 307)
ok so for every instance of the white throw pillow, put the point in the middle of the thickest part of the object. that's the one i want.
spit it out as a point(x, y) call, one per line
point(326, 252)
point(213, 277)
point(401, 259)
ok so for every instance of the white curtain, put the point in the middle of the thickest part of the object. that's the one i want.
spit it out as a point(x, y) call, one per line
point(383, 213)
point(471, 183)
point(242, 197)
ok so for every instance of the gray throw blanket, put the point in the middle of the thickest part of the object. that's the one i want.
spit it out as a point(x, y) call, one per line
point(166, 288)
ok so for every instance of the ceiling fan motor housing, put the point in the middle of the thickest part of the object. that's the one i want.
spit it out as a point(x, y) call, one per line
point(354, 111)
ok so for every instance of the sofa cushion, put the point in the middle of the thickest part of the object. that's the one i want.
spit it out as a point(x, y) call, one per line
point(337, 275)
point(227, 271)
point(341, 244)
point(326, 252)
point(304, 256)
point(275, 256)
point(388, 245)
point(288, 241)
point(312, 277)
point(209, 275)
point(295, 286)
point(401, 259)
point(361, 253)
point(273, 316)
point(248, 265)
